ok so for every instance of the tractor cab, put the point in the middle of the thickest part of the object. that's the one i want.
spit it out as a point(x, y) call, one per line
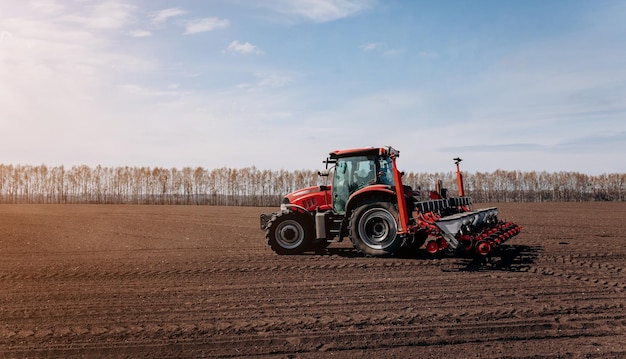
point(355, 170)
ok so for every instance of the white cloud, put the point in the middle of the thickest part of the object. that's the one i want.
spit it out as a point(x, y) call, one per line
point(245, 48)
point(318, 10)
point(139, 33)
point(370, 46)
point(165, 14)
point(205, 24)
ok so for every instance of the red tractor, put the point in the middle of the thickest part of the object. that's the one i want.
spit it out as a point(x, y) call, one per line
point(368, 203)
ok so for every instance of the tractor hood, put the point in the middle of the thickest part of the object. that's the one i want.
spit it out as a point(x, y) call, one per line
point(310, 197)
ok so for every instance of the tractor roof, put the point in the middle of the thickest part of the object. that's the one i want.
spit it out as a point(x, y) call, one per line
point(369, 151)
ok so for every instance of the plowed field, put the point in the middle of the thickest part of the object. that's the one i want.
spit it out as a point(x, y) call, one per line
point(195, 281)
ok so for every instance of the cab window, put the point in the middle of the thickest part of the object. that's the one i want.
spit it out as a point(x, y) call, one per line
point(351, 174)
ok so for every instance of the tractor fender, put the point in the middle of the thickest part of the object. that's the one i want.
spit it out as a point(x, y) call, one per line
point(284, 208)
point(378, 191)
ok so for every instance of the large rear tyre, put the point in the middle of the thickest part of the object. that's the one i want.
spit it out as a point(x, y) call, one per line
point(374, 230)
point(289, 232)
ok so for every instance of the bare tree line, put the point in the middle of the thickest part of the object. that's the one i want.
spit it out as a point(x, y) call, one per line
point(254, 187)
point(145, 185)
point(518, 186)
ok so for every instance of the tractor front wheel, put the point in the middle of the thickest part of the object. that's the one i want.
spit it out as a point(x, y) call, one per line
point(289, 232)
point(373, 229)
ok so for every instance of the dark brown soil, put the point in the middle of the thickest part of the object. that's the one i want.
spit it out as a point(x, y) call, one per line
point(195, 281)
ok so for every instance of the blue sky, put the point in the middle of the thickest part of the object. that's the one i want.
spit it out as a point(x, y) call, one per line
point(527, 85)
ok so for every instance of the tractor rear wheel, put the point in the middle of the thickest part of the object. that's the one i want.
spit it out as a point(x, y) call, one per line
point(289, 232)
point(374, 230)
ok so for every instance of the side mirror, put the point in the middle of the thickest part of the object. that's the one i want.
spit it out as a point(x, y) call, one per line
point(329, 161)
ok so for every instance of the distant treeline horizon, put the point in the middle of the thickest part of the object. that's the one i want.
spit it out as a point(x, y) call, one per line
point(249, 186)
